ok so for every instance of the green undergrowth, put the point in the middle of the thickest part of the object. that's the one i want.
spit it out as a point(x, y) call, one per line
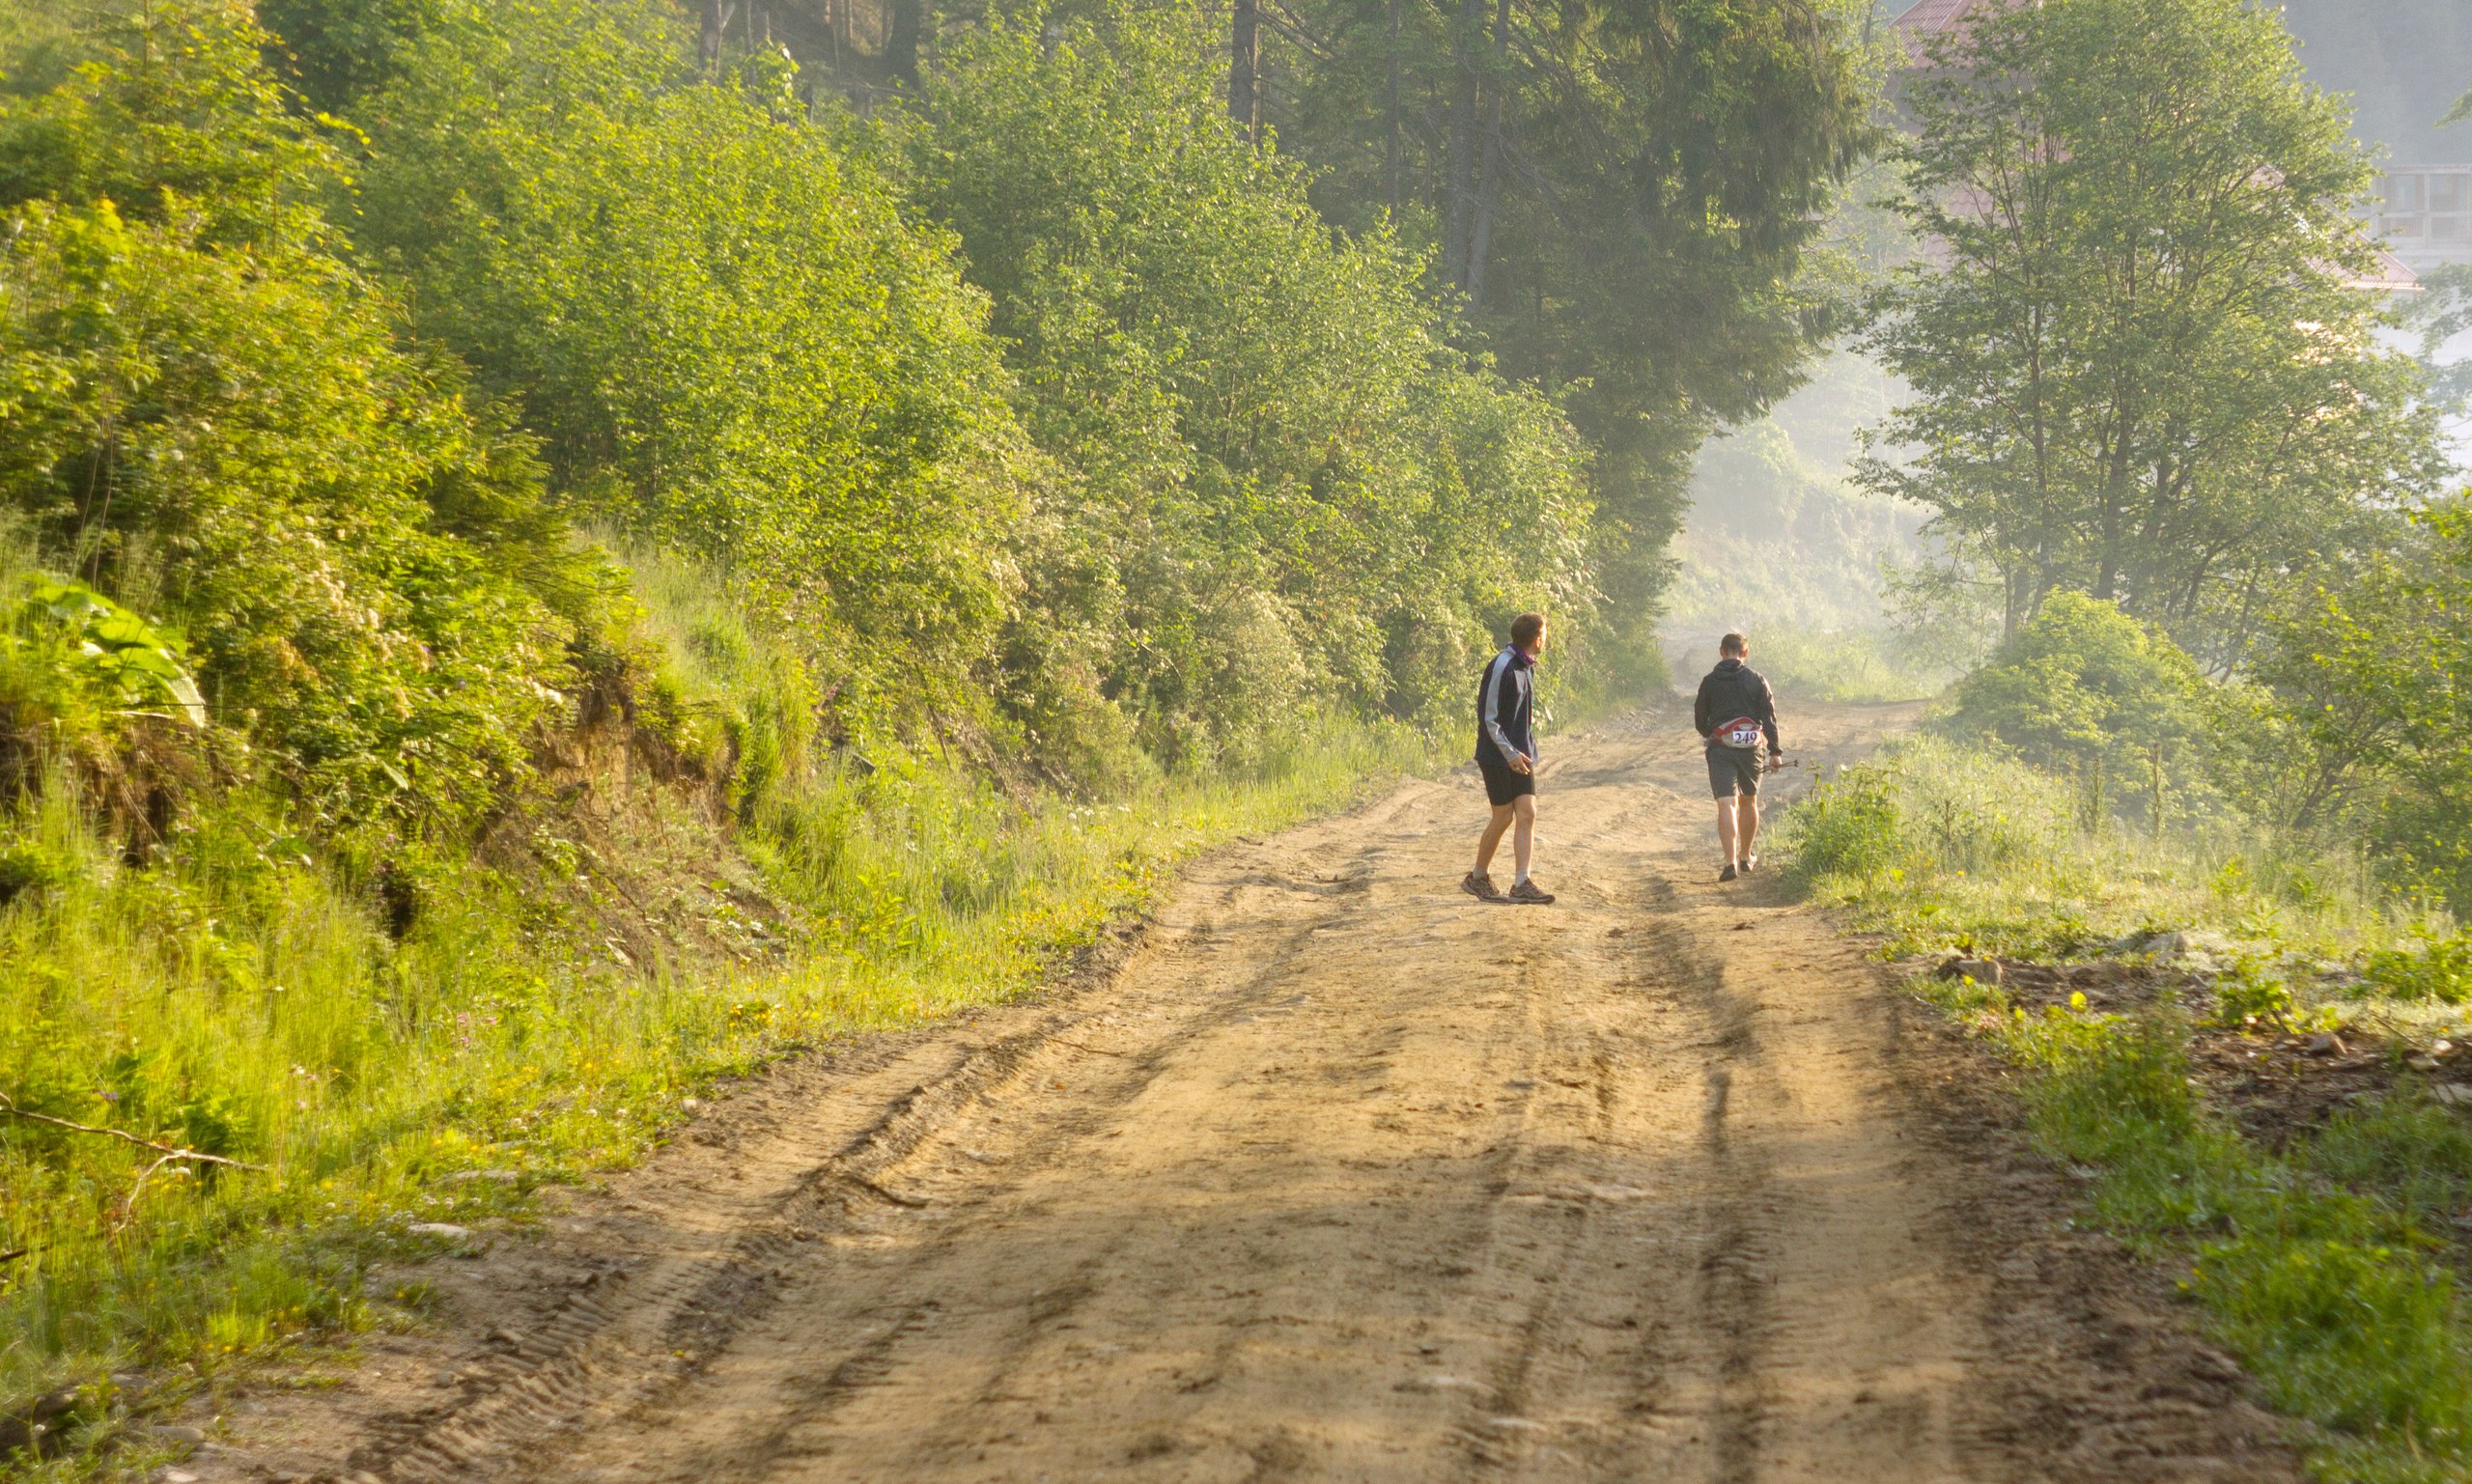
point(236, 993)
point(2330, 1267)
point(1940, 845)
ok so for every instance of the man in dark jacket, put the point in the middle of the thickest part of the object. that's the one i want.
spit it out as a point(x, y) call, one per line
point(1506, 756)
point(1738, 716)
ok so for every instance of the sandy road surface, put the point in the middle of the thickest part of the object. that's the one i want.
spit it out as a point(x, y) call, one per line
point(1340, 1175)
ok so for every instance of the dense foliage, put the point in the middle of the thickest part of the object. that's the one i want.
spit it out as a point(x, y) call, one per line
point(2378, 670)
point(2082, 691)
point(207, 414)
point(1290, 490)
point(725, 335)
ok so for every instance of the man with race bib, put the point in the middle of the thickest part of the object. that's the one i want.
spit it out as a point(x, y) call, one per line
point(1738, 716)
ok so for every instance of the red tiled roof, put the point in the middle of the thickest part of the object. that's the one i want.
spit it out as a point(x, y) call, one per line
point(2393, 276)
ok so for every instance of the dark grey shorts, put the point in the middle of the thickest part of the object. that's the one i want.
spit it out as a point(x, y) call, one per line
point(1735, 771)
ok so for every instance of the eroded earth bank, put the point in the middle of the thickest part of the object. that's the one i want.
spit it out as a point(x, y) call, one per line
point(1335, 1173)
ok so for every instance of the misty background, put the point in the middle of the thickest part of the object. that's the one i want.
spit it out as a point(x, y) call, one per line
point(1781, 544)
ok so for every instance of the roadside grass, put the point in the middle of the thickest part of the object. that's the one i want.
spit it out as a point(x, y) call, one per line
point(236, 997)
point(2331, 1267)
point(1939, 846)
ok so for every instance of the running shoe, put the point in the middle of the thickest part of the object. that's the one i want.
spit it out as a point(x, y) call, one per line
point(1480, 885)
point(1531, 893)
point(1729, 873)
point(1750, 864)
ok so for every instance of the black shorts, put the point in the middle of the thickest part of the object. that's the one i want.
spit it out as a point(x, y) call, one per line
point(1502, 784)
point(1735, 771)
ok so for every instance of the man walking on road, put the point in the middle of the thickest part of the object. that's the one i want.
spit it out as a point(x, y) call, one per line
point(1738, 716)
point(1506, 755)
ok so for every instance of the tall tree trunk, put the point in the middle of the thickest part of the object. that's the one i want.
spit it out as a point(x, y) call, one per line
point(908, 22)
point(1459, 217)
point(2115, 495)
point(1245, 70)
point(1395, 144)
point(1480, 235)
point(711, 49)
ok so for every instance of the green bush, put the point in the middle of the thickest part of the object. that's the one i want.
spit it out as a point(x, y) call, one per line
point(66, 643)
point(2112, 1086)
point(204, 412)
point(2439, 969)
point(1929, 807)
point(270, 494)
point(2085, 691)
point(2251, 995)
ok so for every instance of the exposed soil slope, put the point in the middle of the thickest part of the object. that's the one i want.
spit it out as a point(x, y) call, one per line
point(1338, 1174)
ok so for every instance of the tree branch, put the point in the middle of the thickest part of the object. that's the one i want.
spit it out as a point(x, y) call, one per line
point(169, 1153)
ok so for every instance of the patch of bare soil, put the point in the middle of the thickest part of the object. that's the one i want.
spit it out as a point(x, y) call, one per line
point(633, 848)
point(1339, 1174)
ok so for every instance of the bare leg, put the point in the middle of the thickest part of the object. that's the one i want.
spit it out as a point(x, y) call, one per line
point(1729, 811)
point(1493, 837)
point(1523, 840)
point(1747, 826)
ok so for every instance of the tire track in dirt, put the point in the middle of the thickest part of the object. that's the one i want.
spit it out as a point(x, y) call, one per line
point(1338, 1175)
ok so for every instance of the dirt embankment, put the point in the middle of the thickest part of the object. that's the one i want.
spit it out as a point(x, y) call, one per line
point(1334, 1173)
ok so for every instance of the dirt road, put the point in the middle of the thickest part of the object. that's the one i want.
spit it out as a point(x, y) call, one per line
point(1340, 1175)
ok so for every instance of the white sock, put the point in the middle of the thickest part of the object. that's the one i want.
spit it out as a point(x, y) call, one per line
point(1520, 879)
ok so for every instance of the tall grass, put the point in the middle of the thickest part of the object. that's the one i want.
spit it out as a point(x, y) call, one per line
point(232, 996)
point(1941, 845)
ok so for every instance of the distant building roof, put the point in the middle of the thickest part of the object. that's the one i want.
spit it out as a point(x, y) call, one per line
point(1930, 17)
point(2393, 275)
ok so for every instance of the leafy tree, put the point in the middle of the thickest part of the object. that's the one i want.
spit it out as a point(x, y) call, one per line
point(1625, 194)
point(2375, 674)
point(337, 52)
point(175, 115)
point(2143, 368)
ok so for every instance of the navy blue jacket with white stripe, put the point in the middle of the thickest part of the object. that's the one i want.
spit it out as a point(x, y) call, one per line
point(1506, 708)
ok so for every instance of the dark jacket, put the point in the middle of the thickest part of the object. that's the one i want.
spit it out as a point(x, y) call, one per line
point(1735, 689)
point(1506, 708)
